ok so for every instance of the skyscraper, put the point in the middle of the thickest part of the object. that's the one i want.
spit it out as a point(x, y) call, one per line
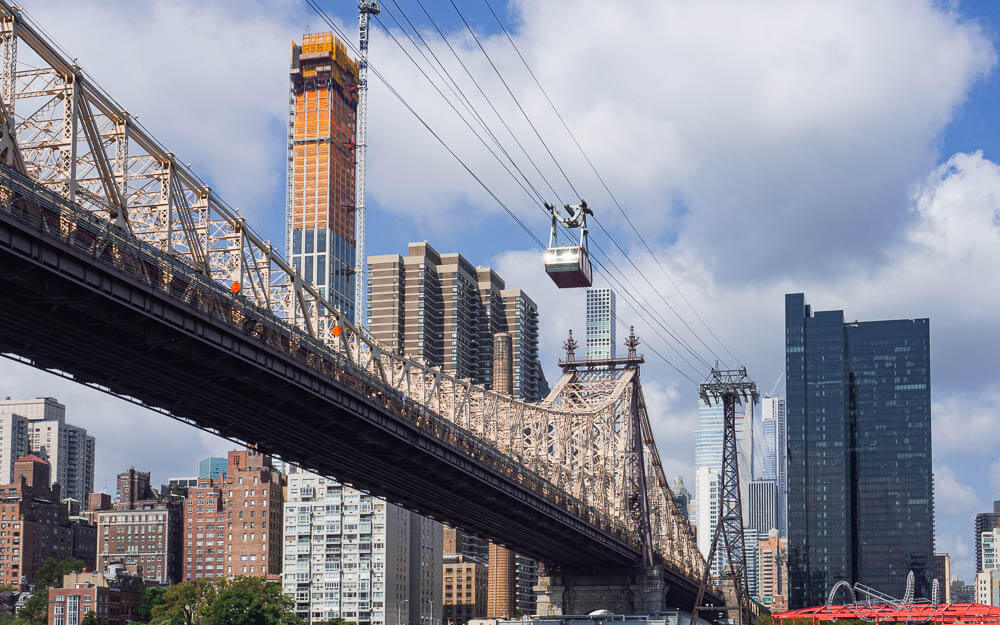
point(601, 323)
point(762, 507)
point(38, 426)
point(319, 203)
point(775, 455)
point(441, 310)
point(681, 496)
point(860, 493)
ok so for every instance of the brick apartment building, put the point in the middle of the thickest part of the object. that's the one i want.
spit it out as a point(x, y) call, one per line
point(114, 596)
point(204, 531)
point(144, 533)
point(34, 524)
point(253, 500)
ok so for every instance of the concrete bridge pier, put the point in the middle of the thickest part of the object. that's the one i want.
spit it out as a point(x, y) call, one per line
point(625, 591)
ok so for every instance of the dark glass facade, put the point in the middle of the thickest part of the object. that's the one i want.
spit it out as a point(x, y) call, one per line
point(860, 498)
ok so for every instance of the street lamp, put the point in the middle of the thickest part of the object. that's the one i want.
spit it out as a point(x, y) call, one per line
point(430, 617)
point(399, 612)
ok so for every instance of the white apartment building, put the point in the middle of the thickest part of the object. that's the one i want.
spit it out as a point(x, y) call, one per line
point(39, 426)
point(988, 543)
point(706, 483)
point(775, 454)
point(988, 587)
point(601, 321)
point(353, 556)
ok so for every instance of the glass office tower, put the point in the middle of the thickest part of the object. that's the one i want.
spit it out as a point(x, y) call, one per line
point(860, 500)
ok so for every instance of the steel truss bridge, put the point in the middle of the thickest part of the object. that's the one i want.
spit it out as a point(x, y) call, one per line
point(123, 270)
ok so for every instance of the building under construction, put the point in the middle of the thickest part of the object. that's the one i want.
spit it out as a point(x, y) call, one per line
point(319, 209)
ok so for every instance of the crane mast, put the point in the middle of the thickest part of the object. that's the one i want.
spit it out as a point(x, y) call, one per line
point(365, 9)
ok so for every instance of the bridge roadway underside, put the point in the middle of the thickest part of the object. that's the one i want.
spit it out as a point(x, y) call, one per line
point(62, 310)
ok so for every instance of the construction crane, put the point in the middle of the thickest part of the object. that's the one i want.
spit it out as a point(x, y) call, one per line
point(774, 386)
point(366, 8)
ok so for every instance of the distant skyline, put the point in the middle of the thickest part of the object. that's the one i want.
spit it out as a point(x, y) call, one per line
point(853, 157)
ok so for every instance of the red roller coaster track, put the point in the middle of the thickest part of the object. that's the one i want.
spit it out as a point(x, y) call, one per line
point(972, 613)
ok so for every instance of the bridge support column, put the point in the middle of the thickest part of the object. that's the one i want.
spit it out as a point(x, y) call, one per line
point(631, 591)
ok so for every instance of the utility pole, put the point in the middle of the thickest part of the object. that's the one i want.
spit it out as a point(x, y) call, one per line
point(366, 8)
point(733, 387)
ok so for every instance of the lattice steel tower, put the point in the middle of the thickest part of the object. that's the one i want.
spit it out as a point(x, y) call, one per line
point(733, 387)
point(365, 9)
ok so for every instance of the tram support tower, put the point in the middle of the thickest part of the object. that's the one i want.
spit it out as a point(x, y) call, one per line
point(733, 387)
point(366, 8)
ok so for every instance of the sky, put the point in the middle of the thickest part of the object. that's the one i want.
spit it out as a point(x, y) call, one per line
point(845, 150)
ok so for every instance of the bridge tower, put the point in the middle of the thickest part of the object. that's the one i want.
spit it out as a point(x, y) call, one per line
point(651, 584)
point(733, 387)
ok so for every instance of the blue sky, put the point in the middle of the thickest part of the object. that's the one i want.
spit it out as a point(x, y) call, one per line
point(847, 150)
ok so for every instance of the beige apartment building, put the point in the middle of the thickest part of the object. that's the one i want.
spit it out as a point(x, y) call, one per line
point(464, 588)
point(443, 311)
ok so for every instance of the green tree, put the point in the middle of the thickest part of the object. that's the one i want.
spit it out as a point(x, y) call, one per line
point(48, 575)
point(181, 604)
point(252, 601)
point(151, 597)
point(90, 618)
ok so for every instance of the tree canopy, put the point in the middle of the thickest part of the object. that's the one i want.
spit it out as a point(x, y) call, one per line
point(237, 601)
point(49, 575)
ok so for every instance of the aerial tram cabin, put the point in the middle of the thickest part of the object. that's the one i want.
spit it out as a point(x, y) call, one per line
point(569, 265)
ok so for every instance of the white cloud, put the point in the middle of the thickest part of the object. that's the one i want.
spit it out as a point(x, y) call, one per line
point(965, 424)
point(209, 79)
point(800, 126)
point(951, 495)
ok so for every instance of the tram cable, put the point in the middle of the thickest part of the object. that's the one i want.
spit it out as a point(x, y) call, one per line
point(614, 198)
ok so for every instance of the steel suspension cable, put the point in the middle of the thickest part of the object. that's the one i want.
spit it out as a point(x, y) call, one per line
point(570, 183)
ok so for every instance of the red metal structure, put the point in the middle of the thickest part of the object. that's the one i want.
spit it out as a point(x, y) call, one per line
point(972, 613)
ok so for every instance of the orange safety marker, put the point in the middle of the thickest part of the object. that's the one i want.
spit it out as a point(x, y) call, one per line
point(235, 287)
point(337, 330)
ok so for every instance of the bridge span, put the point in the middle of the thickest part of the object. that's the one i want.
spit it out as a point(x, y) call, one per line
point(121, 269)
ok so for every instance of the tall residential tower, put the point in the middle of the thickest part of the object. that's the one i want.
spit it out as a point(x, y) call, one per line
point(38, 426)
point(443, 311)
point(601, 324)
point(319, 202)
